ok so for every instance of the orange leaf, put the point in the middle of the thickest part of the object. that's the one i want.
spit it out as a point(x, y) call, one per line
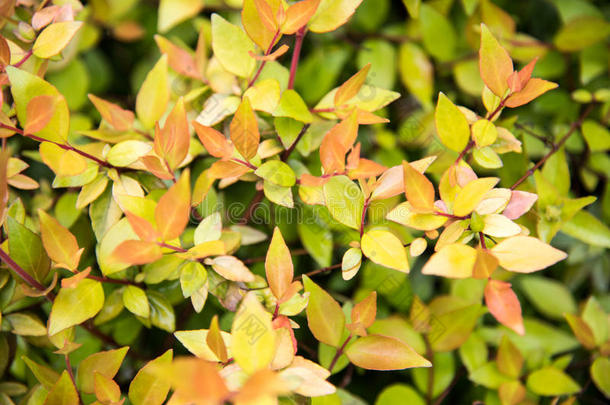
point(504, 305)
point(366, 168)
point(178, 59)
point(266, 14)
point(278, 265)
point(142, 227)
point(272, 56)
point(534, 88)
point(137, 252)
point(368, 118)
point(156, 167)
point(526, 73)
point(495, 63)
point(227, 168)
point(312, 181)
point(332, 154)
point(72, 282)
point(352, 86)
point(366, 310)
point(120, 119)
point(174, 208)
point(485, 264)
point(354, 157)
point(375, 352)
point(172, 142)
point(244, 130)
point(298, 15)
point(418, 189)
point(214, 142)
point(39, 112)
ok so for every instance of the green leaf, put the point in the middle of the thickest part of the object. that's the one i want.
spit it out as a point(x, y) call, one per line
point(153, 96)
point(231, 46)
point(292, 105)
point(317, 239)
point(600, 373)
point(444, 371)
point(63, 392)
point(161, 312)
point(376, 352)
point(451, 124)
point(26, 325)
point(193, 276)
point(399, 394)
point(325, 318)
point(147, 387)
point(278, 194)
point(277, 172)
point(24, 87)
point(134, 299)
point(597, 136)
point(107, 363)
point(473, 352)
point(344, 200)
point(454, 327)
point(438, 34)
point(412, 7)
point(488, 376)
point(581, 32)
point(416, 72)
point(331, 14)
point(595, 316)
point(549, 296)
point(26, 249)
point(45, 375)
point(550, 381)
point(585, 227)
point(73, 306)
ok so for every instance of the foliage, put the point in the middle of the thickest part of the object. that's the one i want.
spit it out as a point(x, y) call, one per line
point(188, 221)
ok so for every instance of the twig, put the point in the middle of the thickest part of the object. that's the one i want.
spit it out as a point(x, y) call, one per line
point(318, 271)
point(528, 131)
point(264, 62)
point(442, 397)
point(575, 125)
point(61, 145)
point(296, 53)
point(367, 202)
point(290, 149)
point(463, 153)
point(430, 356)
point(338, 354)
point(71, 374)
point(24, 275)
point(24, 59)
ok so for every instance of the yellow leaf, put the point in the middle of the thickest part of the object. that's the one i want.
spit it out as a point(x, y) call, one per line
point(195, 341)
point(254, 25)
point(499, 226)
point(278, 265)
point(525, 254)
point(471, 195)
point(215, 340)
point(63, 392)
point(331, 14)
point(231, 268)
point(244, 130)
point(351, 87)
point(366, 310)
point(174, 208)
point(376, 352)
point(325, 318)
point(252, 337)
point(153, 95)
point(173, 12)
point(55, 38)
point(451, 124)
point(484, 133)
point(63, 162)
point(495, 63)
point(404, 214)
point(383, 248)
point(418, 189)
point(232, 47)
point(452, 261)
point(59, 243)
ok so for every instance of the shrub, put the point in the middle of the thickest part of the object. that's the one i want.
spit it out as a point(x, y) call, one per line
point(207, 229)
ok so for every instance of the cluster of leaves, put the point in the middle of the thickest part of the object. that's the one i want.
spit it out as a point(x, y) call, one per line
point(195, 216)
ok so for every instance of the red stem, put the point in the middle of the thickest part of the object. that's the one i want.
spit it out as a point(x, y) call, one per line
point(262, 65)
point(61, 145)
point(575, 125)
point(24, 275)
point(339, 353)
point(367, 202)
point(298, 44)
point(24, 59)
